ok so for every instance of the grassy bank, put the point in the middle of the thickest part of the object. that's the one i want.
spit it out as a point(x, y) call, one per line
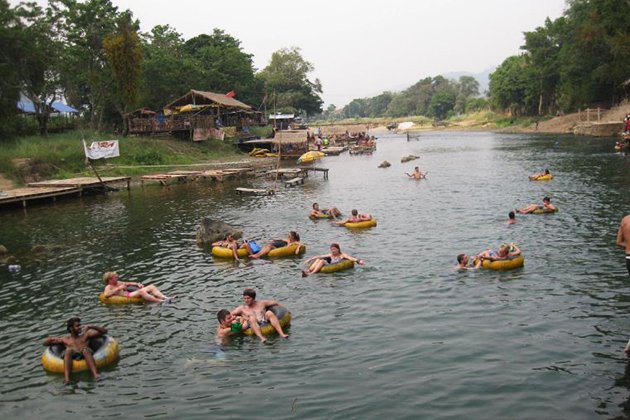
point(61, 155)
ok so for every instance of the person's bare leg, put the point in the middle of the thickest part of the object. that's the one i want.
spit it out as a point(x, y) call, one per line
point(253, 323)
point(314, 268)
point(145, 295)
point(89, 359)
point(264, 251)
point(67, 366)
point(154, 291)
point(273, 319)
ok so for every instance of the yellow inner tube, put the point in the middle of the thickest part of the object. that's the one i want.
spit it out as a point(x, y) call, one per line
point(222, 252)
point(284, 316)
point(286, 251)
point(543, 211)
point(342, 265)
point(319, 216)
point(548, 177)
point(510, 264)
point(105, 348)
point(364, 224)
point(119, 300)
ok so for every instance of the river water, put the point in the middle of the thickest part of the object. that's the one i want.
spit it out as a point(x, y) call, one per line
point(405, 336)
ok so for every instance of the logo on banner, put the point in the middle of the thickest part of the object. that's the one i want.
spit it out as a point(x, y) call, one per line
point(101, 149)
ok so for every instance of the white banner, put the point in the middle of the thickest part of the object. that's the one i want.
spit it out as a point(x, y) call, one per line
point(102, 149)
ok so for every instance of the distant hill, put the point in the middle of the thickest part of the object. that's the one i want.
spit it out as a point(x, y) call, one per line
point(482, 77)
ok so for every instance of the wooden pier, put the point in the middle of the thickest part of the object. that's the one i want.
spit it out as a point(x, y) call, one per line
point(187, 176)
point(59, 188)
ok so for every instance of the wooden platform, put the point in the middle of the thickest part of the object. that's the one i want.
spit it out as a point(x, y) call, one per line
point(288, 172)
point(58, 188)
point(241, 190)
point(24, 195)
point(294, 182)
point(316, 169)
point(82, 182)
point(186, 176)
point(168, 178)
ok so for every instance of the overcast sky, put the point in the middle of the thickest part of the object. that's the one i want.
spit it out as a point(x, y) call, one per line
point(361, 48)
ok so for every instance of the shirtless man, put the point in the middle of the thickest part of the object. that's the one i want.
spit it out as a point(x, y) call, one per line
point(354, 218)
point(463, 263)
point(332, 212)
point(114, 287)
point(539, 174)
point(230, 243)
point(416, 174)
point(229, 324)
point(547, 207)
point(623, 239)
point(77, 343)
point(293, 238)
point(511, 218)
point(257, 313)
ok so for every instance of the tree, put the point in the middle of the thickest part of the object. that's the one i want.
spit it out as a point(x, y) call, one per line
point(468, 87)
point(441, 103)
point(85, 75)
point(13, 48)
point(286, 75)
point(514, 87)
point(124, 56)
point(223, 66)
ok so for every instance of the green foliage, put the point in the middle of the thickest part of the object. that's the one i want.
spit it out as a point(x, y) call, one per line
point(286, 78)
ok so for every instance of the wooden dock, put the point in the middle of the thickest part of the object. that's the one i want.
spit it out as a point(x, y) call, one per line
point(58, 188)
point(258, 191)
point(316, 169)
point(187, 176)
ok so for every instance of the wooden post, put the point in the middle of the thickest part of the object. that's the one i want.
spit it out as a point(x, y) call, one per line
point(598, 114)
point(588, 114)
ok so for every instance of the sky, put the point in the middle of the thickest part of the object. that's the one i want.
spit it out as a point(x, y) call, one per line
point(361, 48)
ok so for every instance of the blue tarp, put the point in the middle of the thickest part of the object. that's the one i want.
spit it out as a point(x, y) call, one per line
point(25, 105)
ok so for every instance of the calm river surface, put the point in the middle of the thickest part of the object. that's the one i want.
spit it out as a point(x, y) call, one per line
point(405, 336)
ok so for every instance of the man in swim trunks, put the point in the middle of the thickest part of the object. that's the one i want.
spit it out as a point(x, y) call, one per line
point(511, 218)
point(354, 218)
point(114, 287)
point(293, 238)
point(547, 207)
point(416, 174)
point(335, 256)
point(258, 314)
point(540, 174)
point(77, 343)
point(229, 324)
point(623, 239)
point(332, 212)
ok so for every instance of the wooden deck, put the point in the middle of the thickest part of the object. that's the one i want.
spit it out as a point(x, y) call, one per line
point(187, 176)
point(242, 190)
point(324, 171)
point(58, 188)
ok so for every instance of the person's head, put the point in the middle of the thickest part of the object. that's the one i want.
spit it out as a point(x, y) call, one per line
point(315, 206)
point(229, 237)
point(355, 212)
point(335, 248)
point(504, 249)
point(224, 316)
point(110, 277)
point(462, 259)
point(546, 200)
point(249, 295)
point(511, 215)
point(417, 168)
point(74, 326)
point(546, 171)
point(293, 235)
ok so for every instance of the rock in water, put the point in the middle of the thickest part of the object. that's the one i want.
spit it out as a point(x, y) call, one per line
point(384, 164)
point(409, 158)
point(211, 231)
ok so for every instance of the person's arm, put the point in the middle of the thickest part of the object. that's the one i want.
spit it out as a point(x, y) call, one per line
point(516, 251)
point(621, 240)
point(54, 340)
point(111, 291)
point(299, 247)
point(95, 331)
point(353, 259)
point(237, 311)
point(217, 243)
point(268, 302)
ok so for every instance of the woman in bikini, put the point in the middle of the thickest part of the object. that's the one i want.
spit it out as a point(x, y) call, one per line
point(114, 287)
point(335, 256)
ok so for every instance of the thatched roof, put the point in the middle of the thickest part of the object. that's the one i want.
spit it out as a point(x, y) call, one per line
point(199, 97)
point(284, 137)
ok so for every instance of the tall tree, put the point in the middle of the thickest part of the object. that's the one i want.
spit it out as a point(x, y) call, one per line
point(124, 56)
point(86, 77)
point(514, 87)
point(286, 75)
